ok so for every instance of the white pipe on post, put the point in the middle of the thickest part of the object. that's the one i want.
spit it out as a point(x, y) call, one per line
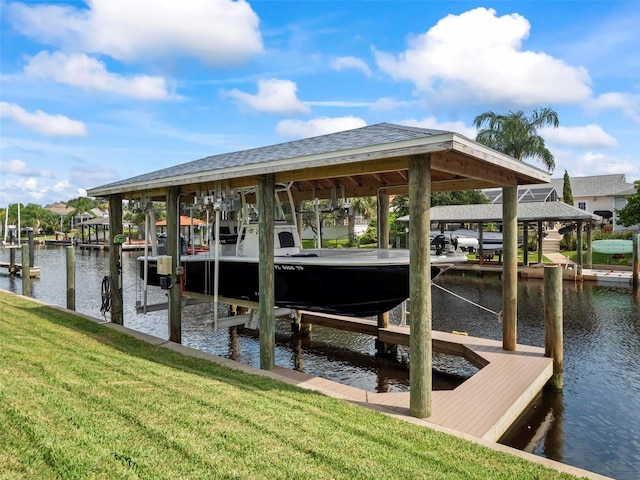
point(146, 262)
point(216, 266)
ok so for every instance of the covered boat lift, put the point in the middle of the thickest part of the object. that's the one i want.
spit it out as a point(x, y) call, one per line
point(378, 160)
point(527, 213)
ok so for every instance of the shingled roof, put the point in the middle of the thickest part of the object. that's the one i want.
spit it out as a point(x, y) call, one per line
point(594, 186)
point(492, 212)
point(358, 161)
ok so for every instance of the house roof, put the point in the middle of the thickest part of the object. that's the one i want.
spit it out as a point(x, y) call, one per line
point(526, 194)
point(594, 186)
point(185, 221)
point(492, 212)
point(100, 221)
point(358, 161)
point(59, 208)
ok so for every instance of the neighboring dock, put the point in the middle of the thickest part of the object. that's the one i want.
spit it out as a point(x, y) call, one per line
point(13, 267)
point(600, 273)
point(17, 268)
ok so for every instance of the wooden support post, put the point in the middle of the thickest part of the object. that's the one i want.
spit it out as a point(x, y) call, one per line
point(420, 375)
point(579, 248)
point(174, 248)
point(509, 267)
point(32, 251)
point(299, 220)
point(636, 261)
point(115, 227)
point(266, 192)
point(525, 244)
point(589, 247)
point(540, 238)
point(553, 322)
point(71, 278)
point(383, 243)
point(25, 271)
point(480, 242)
point(12, 254)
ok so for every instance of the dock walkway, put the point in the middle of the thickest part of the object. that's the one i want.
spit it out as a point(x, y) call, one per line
point(484, 406)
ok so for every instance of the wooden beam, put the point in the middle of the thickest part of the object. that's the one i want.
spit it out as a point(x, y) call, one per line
point(266, 193)
point(344, 169)
point(420, 375)
point(467, 167)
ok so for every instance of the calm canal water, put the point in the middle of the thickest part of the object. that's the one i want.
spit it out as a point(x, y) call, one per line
point(593, 424)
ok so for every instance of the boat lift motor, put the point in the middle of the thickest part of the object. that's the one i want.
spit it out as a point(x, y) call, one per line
point(165, 271)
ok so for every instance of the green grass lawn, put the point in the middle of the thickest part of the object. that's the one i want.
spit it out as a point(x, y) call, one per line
point(79, 400)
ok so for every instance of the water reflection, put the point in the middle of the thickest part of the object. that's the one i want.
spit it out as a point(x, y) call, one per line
point(594, 423)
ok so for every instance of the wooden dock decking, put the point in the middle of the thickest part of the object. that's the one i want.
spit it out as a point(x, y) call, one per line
point(484, 406)
point(17, 268)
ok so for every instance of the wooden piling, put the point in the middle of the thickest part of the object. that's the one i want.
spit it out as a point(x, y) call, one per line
point(525, 244)
point(174, 248)
point(540, 238)
point(25, 271)
point(32, 251)
point(636, 261)
point(420, 375)
point(509, 267)
point(12, 255)
point(553, 322)
point(71, 278)
point(579, 247)
point(115, 227)
point(266, 192)
point(383, 243)
point(589, 247)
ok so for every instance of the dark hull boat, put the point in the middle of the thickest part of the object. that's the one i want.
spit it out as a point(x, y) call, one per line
point(363, 283)
point(356, 282)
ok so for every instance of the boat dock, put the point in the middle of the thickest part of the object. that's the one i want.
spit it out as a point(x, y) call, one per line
point(600, 274)
point(484, 406)
point(13, 267)
point(17, 268)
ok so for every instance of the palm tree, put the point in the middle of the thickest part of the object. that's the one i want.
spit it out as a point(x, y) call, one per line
point(365, 206)
point(516, 133)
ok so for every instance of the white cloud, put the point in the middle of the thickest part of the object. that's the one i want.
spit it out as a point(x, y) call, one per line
point(44, 123)
point(221, 32)
point(433, 123)
point(627, 103)
point(25, 188)
point(82, 71)
point(61, 186)
point(342, 63)
point(274, 96)
point(479, 55)
point(599, 164)
point(388, 103)
point(317, 126)
point(587, 136)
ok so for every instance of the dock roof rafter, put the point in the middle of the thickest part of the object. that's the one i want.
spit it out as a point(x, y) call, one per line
point(359, 161)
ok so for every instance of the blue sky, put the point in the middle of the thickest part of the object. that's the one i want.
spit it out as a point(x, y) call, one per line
point(99, 90)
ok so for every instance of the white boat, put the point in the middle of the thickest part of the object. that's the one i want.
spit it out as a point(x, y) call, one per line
point(612, 246)
point(356, 282)
point(490, 240)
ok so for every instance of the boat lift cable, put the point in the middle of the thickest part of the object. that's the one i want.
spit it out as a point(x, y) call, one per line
point(498, 314)
point(106, 296)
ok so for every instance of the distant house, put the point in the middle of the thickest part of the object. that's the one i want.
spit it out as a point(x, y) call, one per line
point(59, 208)
point(599, 194)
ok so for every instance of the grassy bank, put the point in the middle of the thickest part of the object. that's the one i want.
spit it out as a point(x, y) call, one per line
point(79, 400)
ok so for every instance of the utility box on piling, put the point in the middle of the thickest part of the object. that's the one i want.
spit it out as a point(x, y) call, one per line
point(165, 265)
